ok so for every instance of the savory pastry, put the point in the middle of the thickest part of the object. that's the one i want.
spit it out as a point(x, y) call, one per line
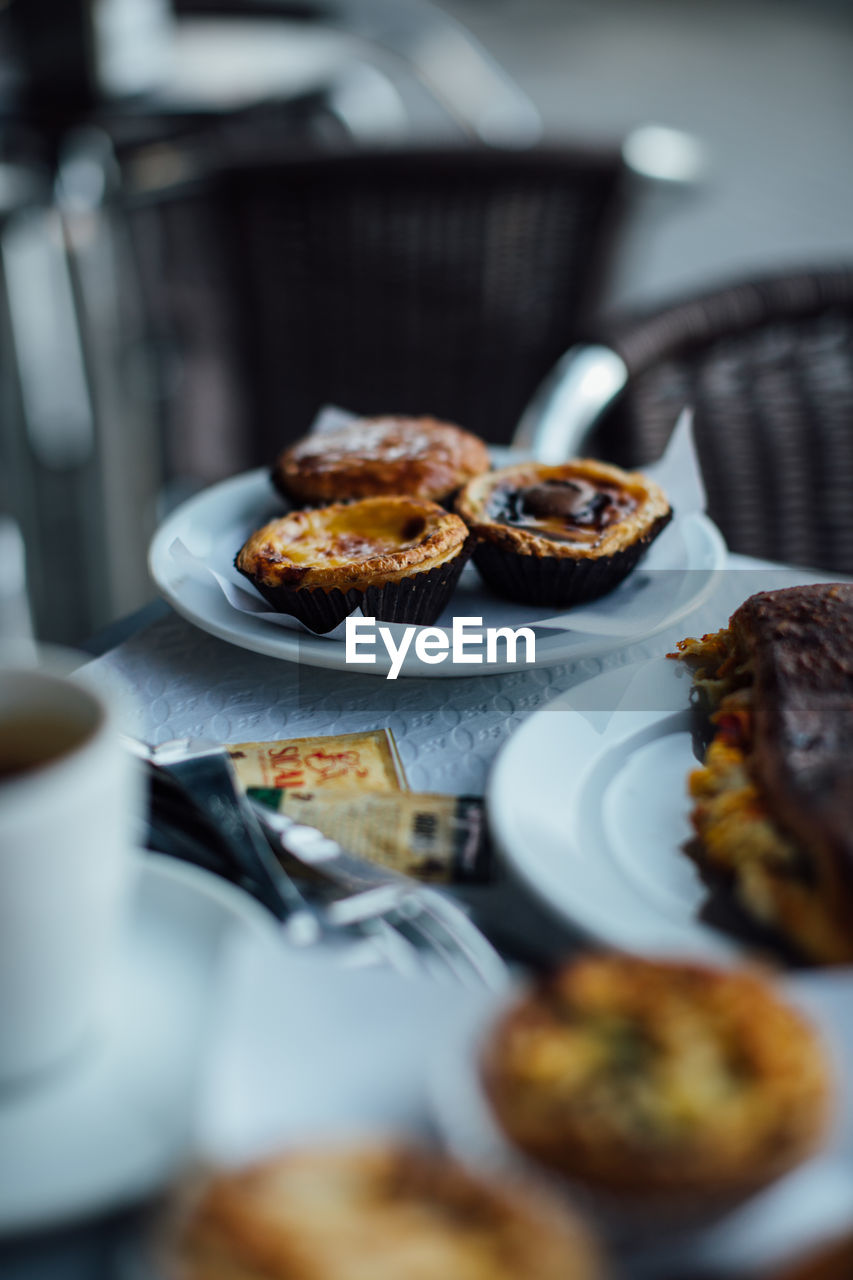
point(371, 1213)
point(773, 803)
point(416, 457)
point(561, 535)
point(396, 558)
point(661, 1080)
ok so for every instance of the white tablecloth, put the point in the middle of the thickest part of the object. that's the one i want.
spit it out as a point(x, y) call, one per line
point(184, 682)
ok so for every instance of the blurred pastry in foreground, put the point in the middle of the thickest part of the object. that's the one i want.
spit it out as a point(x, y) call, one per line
point(773, 802)
point(373, 1213)
point(398, 559)
point(832, 1262)
point(561, 535)
point(663, 1081)
point(386, 456)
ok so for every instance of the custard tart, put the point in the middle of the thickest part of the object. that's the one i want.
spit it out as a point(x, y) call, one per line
point(773, 801)
point(658, 1079)
point(372, 1212)
point(561, 535)
point(398, 559)
point(372, 457)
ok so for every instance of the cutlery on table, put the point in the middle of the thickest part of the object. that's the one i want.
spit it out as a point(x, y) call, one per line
point(412, 908)
point(412, 927)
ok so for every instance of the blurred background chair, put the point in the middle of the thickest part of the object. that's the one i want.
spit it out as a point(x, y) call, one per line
point(109, 417)
point(79, 446)
point(404, 66)
point(154, 335)
point(410, 281)
point(768, 367)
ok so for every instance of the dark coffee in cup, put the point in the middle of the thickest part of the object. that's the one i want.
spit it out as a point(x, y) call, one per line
point(27, 742)
point(39, 731)
point(69, 800)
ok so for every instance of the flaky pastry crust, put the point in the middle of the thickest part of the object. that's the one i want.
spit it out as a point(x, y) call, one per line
point(416, 457)
point(659, 1079)
point(352, 545)
point(377, 1212)
point(645, 508)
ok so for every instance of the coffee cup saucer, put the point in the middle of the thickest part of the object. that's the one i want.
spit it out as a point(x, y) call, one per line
point(110, 1125)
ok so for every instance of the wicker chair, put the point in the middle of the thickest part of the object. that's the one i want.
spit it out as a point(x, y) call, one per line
point(768, 368)
point(442, 282)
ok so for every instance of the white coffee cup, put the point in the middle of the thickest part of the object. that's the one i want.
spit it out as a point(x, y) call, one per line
point(69, 803)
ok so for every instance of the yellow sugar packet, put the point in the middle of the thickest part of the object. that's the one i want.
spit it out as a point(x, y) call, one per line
point(346, 761)
point(429, 836)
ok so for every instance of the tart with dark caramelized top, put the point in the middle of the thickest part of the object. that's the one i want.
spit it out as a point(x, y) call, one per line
point(561, 535)
point(773, 804)
point(398, 559)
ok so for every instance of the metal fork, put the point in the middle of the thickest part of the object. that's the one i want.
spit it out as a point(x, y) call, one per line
point(413, 909)
point(411, 927)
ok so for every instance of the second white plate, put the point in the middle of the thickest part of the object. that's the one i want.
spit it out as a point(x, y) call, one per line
point(588, 801)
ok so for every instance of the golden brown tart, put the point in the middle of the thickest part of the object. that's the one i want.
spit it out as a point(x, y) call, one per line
point(666, 1081)
point(373, 1213)
point(773, 802)
point(398, 559)
point(561, 535)
point(416, 457)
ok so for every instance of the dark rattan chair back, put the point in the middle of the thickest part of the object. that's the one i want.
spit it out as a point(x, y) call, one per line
point(426, 282)
point(768, 367)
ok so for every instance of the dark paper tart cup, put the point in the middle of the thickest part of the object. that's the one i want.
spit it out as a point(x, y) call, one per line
point(558, 580)
point(418, 599)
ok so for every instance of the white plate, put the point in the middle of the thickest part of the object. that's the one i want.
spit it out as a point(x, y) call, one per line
point(588, 801)
point(812, 1203)
point(117, 1122)
point(214, 524)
